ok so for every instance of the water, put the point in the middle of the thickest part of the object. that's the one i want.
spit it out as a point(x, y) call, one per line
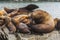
point(51, 7)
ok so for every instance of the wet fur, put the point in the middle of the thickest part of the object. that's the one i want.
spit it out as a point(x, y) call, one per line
point(44, 21)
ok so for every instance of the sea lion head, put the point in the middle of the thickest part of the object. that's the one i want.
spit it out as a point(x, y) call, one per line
point(31, 7)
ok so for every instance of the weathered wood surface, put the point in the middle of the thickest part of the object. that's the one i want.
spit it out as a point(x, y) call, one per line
point(55, 35)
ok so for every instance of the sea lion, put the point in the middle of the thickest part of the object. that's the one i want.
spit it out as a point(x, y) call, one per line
point(44, 21)
point(7, 21)
point(22, 18)
point(2, 15)
point(27, 9)
point(31, 7)
point(23, 10)
point(23, 28)
point(11, 27)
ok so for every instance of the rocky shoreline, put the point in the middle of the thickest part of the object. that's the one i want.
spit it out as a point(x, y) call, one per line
point(55, 35)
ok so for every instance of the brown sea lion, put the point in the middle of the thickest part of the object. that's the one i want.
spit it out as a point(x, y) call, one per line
point(31, 7)
point(21, 18)
point(23, 28)
point(7, 21)
point(23, 10)
point(11, 27)
point(22, 23)
point(27, 9)
point(2, 15)
point(44, 21)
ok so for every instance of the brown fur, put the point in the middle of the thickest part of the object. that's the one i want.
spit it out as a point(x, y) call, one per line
point(23, 28)
point(2, 12)
point(11, 27)
point(9, 10)
point(2, 16)
point(57, 23)
point(2, 22)
point(24, 10)
point(22, 22)
point(17, 19)
point(21, 18)
point(31, 7)
point(7, 21)
point(44, 21)
point(28, 8)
